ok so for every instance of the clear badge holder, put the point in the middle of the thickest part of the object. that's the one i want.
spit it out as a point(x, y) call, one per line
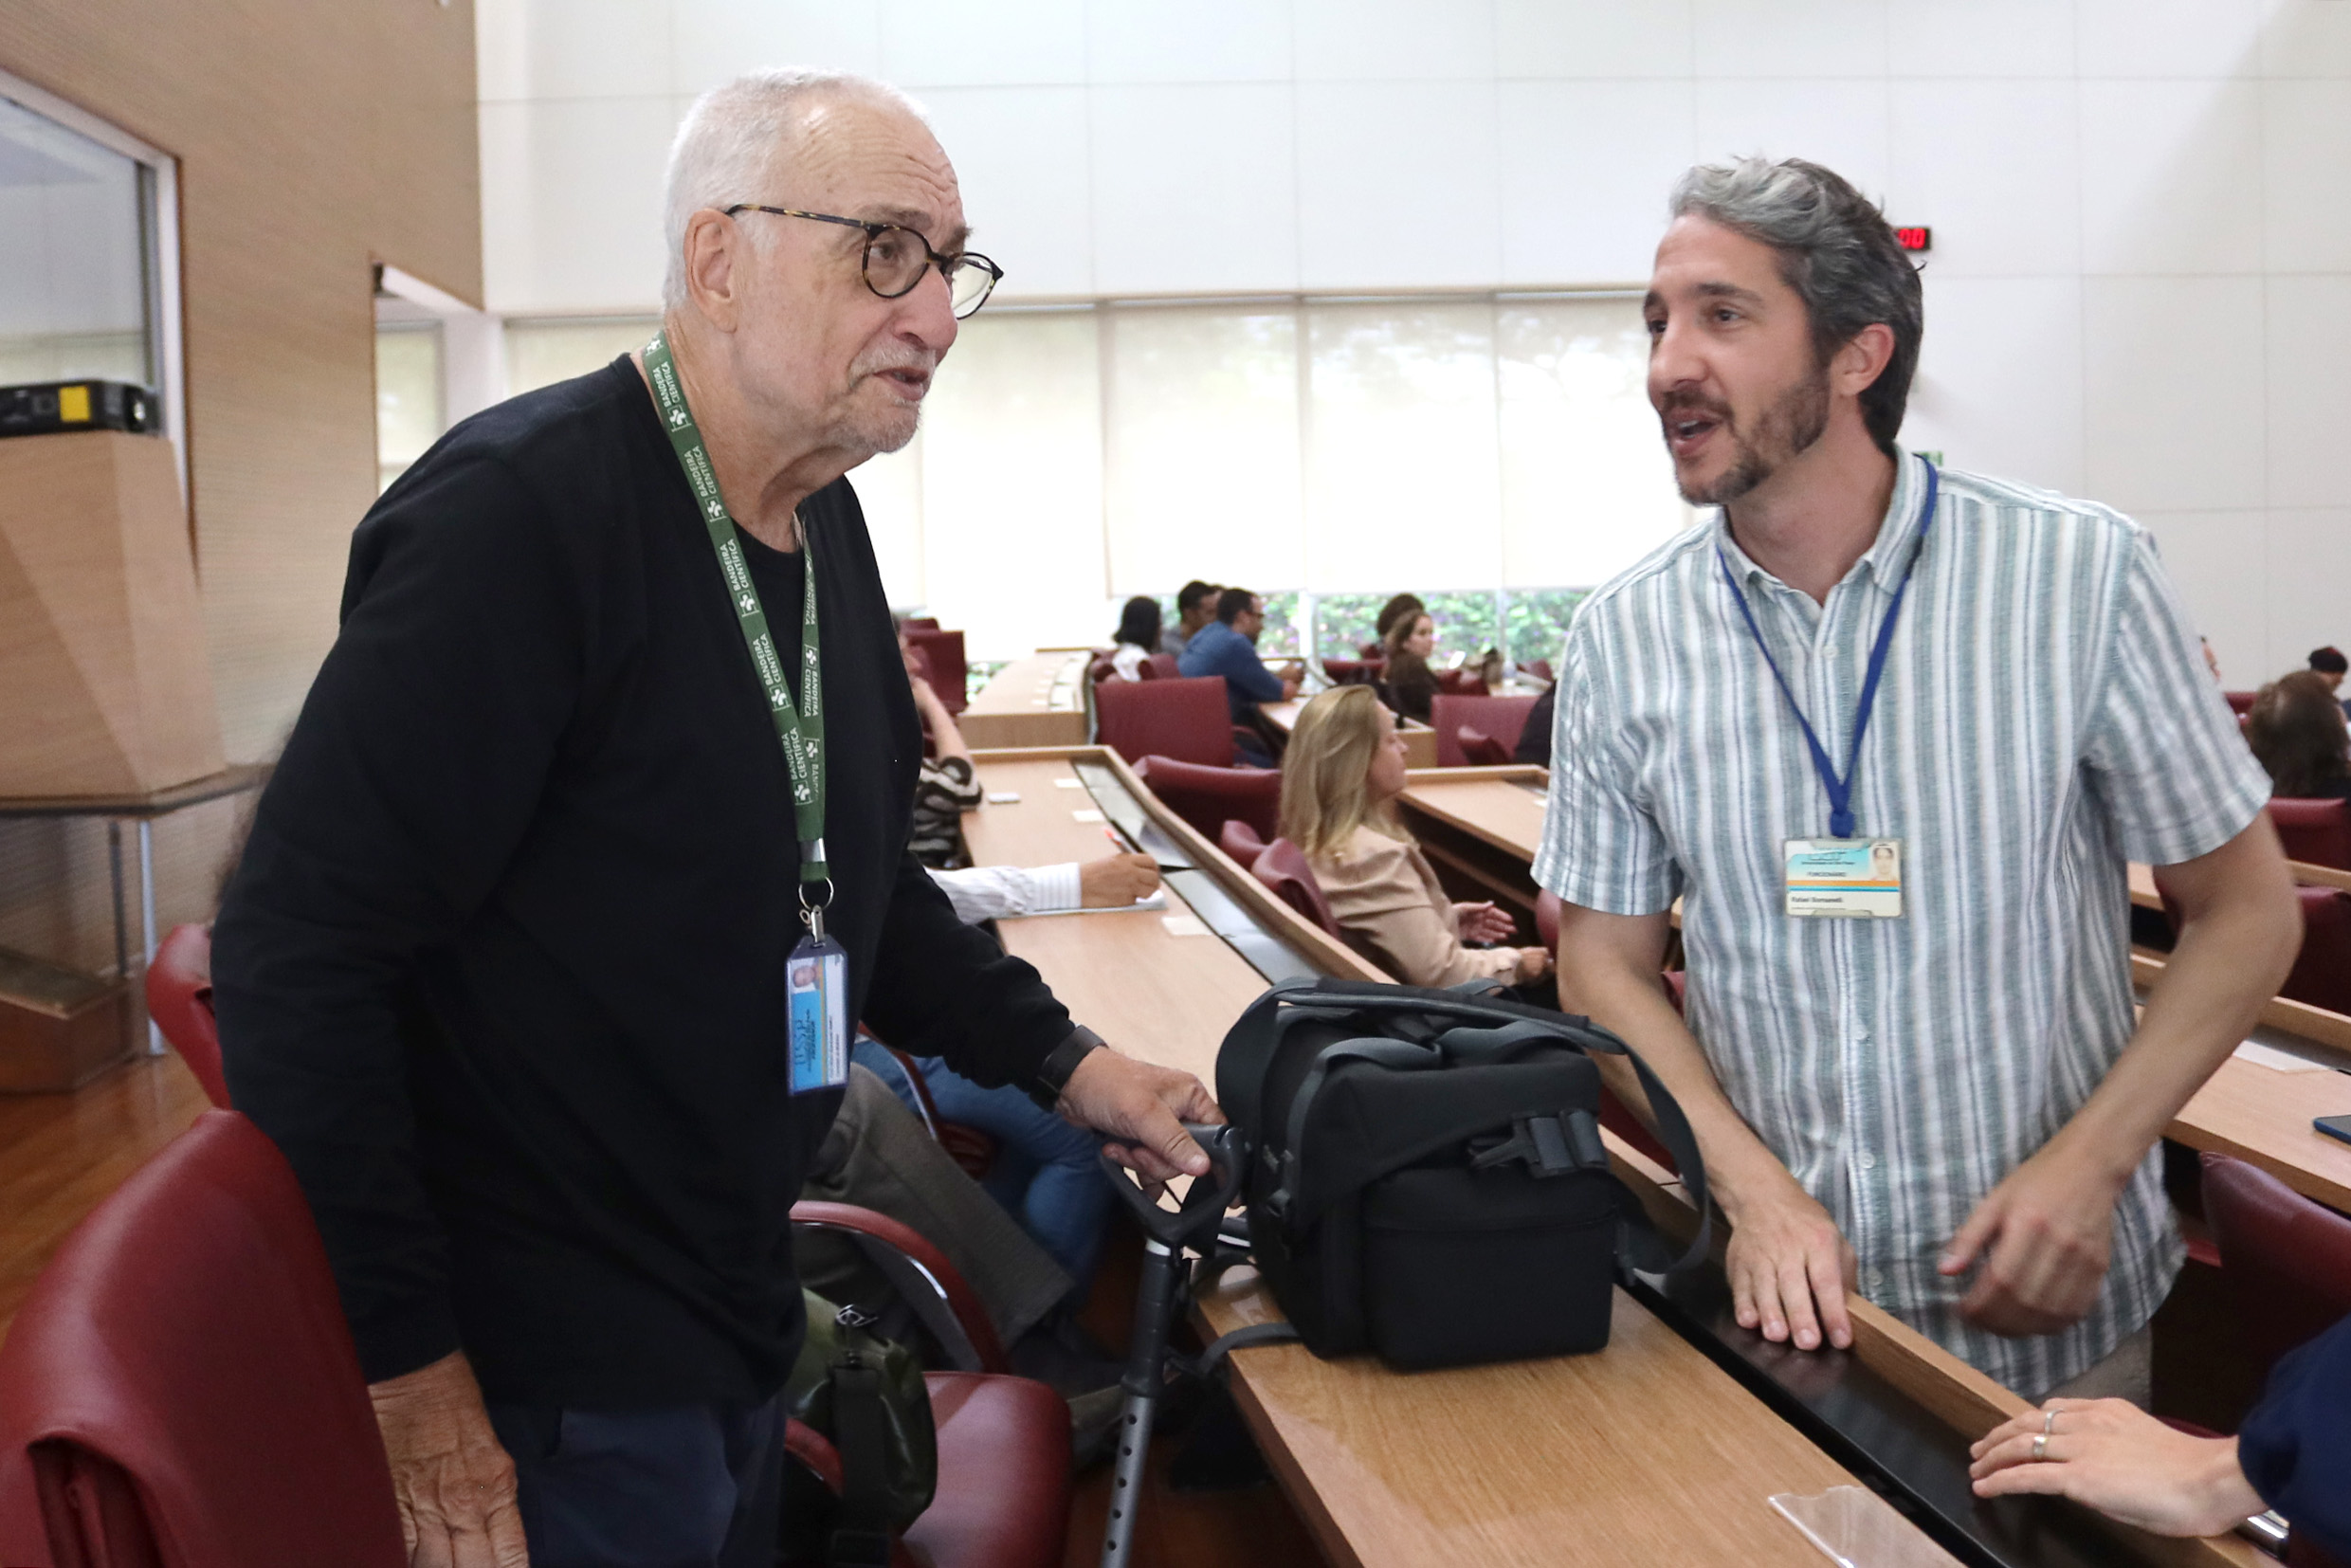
point(1857, 1528)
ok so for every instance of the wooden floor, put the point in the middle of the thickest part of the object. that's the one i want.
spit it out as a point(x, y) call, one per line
point(60, 1153)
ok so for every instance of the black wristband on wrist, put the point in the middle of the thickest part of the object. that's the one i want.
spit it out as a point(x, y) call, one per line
point(1053, 1073)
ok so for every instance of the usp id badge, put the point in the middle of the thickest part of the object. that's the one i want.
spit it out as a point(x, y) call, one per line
point(819, 975)
point(1851, 876)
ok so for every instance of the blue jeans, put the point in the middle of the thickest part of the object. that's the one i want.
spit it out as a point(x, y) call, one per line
point(673, 1487)
point(1046, 1172)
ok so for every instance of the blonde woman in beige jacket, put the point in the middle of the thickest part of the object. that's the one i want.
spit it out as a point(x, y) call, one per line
point(1340, 775)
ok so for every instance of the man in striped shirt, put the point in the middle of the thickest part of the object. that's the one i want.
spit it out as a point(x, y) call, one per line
point(1944, 1102)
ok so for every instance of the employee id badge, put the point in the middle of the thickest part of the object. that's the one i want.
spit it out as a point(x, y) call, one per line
point(819, 973)
point(1856, 878)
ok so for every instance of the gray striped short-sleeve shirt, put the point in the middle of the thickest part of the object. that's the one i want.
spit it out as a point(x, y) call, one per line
point(2044, 717)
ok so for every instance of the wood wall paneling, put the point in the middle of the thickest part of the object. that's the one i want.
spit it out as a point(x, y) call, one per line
point(313, 141)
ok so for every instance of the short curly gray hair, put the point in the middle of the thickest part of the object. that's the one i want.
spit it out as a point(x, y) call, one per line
point(730, 138)
point(1836, 250)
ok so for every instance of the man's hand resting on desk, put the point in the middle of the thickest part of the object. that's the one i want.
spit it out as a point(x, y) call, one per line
point(1790, 1267)
point(454, 1485)
point(1141, 1109)
point(1116, 881)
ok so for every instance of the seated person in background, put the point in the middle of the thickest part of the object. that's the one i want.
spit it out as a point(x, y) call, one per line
point(1196, 607)
point(1340, 780)
point(2330, 662)
point(2296, 728)
point(1229, 648)
point(1391, 613)
point(1138, 637)
point(1535, 735)
point(2291, 1453)
point(945, 785)
point(1046, 1173)
point(1411, 685)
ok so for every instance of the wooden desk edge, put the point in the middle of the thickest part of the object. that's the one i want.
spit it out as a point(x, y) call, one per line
point(1962, 1397)
point(2315, 1024)
point(234, 779)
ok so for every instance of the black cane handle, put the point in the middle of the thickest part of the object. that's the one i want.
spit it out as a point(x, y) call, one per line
point(1211, 1194)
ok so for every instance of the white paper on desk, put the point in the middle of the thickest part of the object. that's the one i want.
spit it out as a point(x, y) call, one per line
point(1156, 901)
point(1086, 816)
point(1069, 783)
point(1003, 798)
point(2274, 1059)
point(1183, 925)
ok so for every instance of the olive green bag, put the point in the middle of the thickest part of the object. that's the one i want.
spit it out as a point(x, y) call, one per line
point(866, 1396)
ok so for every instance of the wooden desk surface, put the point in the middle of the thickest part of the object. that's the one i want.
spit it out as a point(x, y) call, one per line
point(1039, 701)
point(2262, 1115)
point(1502, 806)
point(1121, 972)
point(1645, 1454)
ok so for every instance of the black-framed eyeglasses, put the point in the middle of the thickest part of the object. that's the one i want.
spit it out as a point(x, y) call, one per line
point(896, 258)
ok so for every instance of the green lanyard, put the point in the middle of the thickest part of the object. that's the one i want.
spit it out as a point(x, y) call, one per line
point(802, 734)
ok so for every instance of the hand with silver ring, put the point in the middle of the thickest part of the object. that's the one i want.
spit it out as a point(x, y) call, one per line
point(2120, 1461)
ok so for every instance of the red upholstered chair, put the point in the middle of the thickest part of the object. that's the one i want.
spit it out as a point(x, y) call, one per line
point(2240, 702)
point(2322, 972)
point(1283, 868)
point(2317, 832)
point(1355, 672)
point(2286, 1259)
point(1185, 719)
point(180, 1390)
point(1468, 681)
point(1500, 717)
point(942, 654)
point(1539, 668)
point(920, 623)
point(1101, 670)
point(1373, 650)
point(1240, 842)
point(179, 999)
point(1003, 1498)
point(1209, 797)
point(1481, 750)
point(1159, 666)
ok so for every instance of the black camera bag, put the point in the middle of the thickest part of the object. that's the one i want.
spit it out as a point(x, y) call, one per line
point(1425, 1177)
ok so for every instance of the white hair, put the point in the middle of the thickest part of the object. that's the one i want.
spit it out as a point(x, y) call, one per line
point(731, 140)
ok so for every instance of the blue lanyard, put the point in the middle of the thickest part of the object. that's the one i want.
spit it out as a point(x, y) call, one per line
point(1840, 790)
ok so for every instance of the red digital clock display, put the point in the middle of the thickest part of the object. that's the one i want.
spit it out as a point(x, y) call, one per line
point(1919, 237)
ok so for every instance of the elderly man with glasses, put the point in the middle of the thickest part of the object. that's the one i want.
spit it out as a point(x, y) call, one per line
point(588, 850)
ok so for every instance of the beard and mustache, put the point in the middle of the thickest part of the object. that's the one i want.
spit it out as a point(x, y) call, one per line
point(1797, 419)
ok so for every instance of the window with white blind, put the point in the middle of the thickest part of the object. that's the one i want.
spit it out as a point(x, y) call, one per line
point(1072, 457)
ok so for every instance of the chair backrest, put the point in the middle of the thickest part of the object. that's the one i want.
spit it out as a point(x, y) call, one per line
point(185, 1360)
point(1373, 650)
point(920, 623)
point(1467, 681)
point(1101, 669)
point(1240, 842)
point(1354, 672)
point(2287, 1260)
point(1499, 718)
point(1159, 666)
point(2240, 702)
point(179, 999)
point(1282, 866)
point(1481, 750)
point(2317, 832)
point(942, 654)
point(2322, 971)
point(1209, 797)
point(1539, 668)
point(1186, 719)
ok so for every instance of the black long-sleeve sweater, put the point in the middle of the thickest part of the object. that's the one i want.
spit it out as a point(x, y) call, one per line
point(502, 970)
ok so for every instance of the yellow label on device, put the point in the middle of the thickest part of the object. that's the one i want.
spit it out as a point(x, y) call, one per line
point(73, 405)
point(1853, 877)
